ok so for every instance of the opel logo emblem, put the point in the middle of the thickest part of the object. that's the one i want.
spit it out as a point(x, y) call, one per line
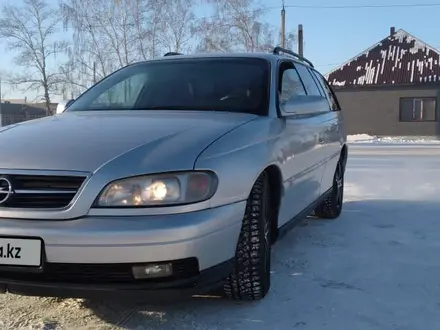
point(6, 190)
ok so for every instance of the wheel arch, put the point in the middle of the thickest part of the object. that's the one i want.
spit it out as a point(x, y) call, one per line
point(276, 193)
point(344, 156)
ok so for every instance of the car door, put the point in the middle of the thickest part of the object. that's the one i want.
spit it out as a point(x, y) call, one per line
point(299, 146)
point(333, 123)
point(320, 119)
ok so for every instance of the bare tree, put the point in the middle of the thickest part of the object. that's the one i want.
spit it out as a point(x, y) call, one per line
point(180, 26)
point(102, 39)
point(238, 25)
point(29, 30)
point(291, 39)
point(110, 34)
point(149, 24)
point(235, 26)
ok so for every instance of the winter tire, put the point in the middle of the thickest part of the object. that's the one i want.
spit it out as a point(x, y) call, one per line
point(331, 207)
point(250, 278)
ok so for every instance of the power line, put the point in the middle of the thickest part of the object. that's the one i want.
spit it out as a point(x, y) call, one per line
point(329, 64)
point(397, 5)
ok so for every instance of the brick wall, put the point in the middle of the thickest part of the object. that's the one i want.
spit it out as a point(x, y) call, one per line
point(376, 112)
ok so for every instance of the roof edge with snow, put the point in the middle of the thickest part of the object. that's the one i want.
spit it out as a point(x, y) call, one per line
point(399, 58)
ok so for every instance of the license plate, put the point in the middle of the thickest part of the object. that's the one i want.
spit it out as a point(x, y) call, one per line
point(20, 252)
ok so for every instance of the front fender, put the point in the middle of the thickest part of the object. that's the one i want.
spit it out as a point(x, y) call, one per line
point(239, 157)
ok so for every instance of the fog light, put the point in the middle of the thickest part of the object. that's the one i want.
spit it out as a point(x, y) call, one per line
point(153, 271)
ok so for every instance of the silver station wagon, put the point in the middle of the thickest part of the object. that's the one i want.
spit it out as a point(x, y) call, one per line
point(169, 178)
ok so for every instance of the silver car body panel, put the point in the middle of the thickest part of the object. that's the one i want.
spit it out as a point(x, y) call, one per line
point(89, 141)
point(106, 146)
point(140, 239)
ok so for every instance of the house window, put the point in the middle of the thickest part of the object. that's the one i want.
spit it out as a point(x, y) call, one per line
point(418, 109)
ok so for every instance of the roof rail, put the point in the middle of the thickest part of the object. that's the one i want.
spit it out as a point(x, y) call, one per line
point(277, 50)
point(172, 54)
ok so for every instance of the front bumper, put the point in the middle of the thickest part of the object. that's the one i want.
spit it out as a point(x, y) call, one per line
point(206, 281)
point(208, 238)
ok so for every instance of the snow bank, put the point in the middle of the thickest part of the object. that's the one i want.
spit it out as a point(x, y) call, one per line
point(360, 138)
point(365, 138)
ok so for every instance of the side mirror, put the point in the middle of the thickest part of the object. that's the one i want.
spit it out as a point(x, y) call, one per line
point(304, 104)
point(63, 105)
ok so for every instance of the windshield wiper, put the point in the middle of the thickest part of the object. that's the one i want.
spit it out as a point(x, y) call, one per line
point(175, 107)
point(109, 109)
point(171, 107)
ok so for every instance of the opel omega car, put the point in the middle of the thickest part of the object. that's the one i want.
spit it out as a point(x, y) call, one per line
point(170, 177)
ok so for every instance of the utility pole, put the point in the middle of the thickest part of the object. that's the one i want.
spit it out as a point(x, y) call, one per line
point(94, 72)
point(300, 40)
point(283, 26)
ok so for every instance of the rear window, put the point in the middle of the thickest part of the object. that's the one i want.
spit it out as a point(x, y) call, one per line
point(214, 84)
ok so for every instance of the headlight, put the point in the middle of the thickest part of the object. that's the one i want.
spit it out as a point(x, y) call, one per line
point(160, 189)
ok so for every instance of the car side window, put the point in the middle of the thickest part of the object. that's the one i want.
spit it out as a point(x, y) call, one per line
point(329, 92)
point(290, 84)
point(309, 83)
point(124, 94)
point(320, 87)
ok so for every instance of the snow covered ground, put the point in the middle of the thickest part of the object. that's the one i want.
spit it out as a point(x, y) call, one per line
point(365, 138)
point(376, 267)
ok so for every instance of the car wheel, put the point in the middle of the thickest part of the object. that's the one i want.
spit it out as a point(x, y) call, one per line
point(250, 278)
point(331, 207)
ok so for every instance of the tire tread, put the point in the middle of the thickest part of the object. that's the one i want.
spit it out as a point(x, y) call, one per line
point(249, 279)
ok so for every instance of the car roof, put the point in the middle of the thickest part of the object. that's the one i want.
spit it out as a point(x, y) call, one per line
point(258, 55)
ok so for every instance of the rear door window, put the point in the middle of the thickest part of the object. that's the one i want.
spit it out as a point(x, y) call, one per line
point(309, 83)
point(321, 88)
point(329, 92)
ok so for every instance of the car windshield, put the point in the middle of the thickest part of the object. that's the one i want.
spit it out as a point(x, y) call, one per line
point(214, 84)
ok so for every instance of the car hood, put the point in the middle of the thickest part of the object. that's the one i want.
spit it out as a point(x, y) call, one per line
point(141, 141)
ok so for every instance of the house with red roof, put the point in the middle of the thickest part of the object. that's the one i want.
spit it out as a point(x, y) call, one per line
point(391, 88)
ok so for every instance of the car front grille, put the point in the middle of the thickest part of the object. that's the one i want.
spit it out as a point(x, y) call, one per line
point(39, 191)
point(101, 273)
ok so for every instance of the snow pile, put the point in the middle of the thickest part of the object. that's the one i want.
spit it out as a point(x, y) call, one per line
point(365, 138)
point(360, 138)
point(408, 139)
